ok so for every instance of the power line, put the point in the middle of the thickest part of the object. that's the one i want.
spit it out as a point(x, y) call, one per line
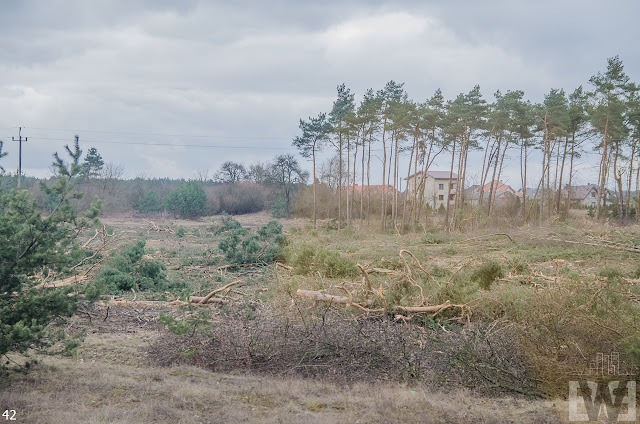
point(162, 134)
point(140, 143)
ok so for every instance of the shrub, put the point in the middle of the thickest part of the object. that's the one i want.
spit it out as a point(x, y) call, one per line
point(187, 201)
point(242, 247)
point(432, 238)
point(279, 208)
point(128, 270)
point(311, 259)
point(241, 198)
point(149, 202)
point(487, 274)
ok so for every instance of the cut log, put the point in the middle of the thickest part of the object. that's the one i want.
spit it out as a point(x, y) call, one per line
point(426, 309)
point(198, 300)
point(322, 297)
point(61, 283)
point(218, 290)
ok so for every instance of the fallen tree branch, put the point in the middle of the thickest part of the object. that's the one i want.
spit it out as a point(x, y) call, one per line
point(634, 249)
point(383, 271)
point(197, 300)
point(61, 283)
point(283, 266)
point(322, 297)
point(365, 277)
point(214, 292)
point(487, 236)
point(348, 301)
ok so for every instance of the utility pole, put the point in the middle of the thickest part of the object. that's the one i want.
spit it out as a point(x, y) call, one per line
point(19, 139)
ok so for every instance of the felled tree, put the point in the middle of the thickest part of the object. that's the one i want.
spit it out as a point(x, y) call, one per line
point(30, 243)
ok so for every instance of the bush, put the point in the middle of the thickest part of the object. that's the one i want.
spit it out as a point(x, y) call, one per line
point(187, 201)
point(279, 208)
point(487, 274)
point(128, 270)
point(242, 198)
point(149, 202)
point(242, 247)
point(310, 259)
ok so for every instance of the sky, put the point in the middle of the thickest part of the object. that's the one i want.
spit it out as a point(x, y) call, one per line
point(170, 88)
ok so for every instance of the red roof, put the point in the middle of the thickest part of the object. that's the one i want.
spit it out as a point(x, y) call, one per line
point(499, 187)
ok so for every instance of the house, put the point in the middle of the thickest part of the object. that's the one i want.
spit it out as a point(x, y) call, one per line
point(529, 192)
point(586, 196)
point(503, 193)
point(436, 187)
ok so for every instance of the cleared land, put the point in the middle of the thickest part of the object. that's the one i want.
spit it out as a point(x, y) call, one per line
point(535, 322)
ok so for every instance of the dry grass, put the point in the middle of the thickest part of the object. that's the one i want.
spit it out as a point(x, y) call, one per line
point(66, 391)
point(111, 380)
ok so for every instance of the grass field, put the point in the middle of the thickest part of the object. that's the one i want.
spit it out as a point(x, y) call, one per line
point(541, 303)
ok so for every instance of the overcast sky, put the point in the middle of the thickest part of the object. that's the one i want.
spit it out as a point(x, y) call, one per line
point(167, 88)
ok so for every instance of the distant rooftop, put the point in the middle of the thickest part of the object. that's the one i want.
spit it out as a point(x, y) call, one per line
point(437, 175)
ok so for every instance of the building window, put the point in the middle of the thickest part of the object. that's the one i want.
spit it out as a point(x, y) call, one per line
point(451, 196)
point(441, 197)
point(440, 186)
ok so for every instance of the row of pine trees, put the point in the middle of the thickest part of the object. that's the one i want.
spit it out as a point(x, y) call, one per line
point(604, 118)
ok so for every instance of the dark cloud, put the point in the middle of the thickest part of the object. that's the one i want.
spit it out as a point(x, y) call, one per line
point(237, 72)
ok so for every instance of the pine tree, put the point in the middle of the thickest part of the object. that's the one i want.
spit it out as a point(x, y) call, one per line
point(92, 164)
point(30, 243)
point(314, 134)
point(607, 118)
point(342, 108)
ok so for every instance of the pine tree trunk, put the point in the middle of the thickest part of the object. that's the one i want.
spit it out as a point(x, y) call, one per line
point(493, 184)
point(617, 176)
point(313, 153)
point(388, 184)
point(348, 179)
point(523, 173)
point(369, 183)
point(633, 155)
point(564, 158)
point(340, 181)
point(453, 156)
point(383, 221)
point(570, 187)
point(504, 152)
point(406, 191)
point(353, 185)
point(484, 166)
point(603, 164)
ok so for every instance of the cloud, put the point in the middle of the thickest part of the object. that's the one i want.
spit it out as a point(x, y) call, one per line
point(242, 72)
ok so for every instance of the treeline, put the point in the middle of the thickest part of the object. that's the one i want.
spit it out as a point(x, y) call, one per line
point(604, 118)
point(233, 189)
